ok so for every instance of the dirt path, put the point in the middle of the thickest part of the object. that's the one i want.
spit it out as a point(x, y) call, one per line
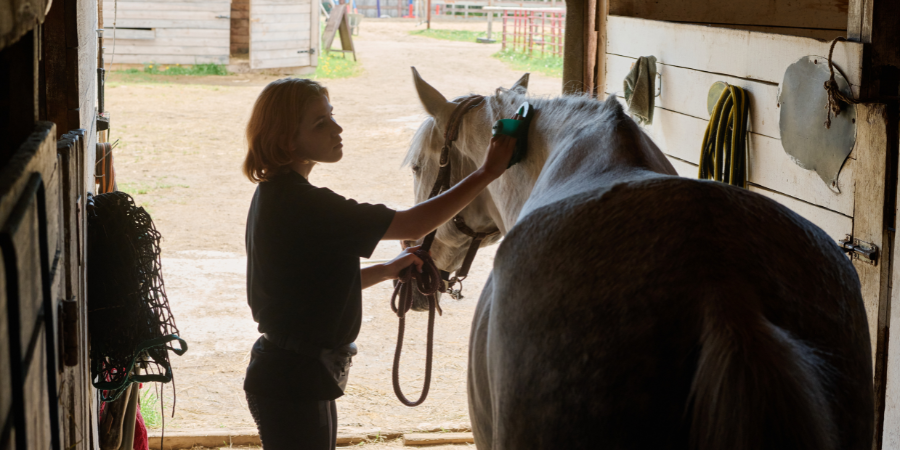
point(180, 151)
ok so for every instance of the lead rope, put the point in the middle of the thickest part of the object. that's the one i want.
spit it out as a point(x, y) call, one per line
point(429, 282)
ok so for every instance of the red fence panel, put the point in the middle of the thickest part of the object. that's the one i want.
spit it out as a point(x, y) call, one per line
point(527, 28)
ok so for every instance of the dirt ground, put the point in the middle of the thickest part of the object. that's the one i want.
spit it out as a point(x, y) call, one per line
point(179, 153)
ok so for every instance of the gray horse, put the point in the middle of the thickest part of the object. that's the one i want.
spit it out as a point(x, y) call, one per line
point(632, 308)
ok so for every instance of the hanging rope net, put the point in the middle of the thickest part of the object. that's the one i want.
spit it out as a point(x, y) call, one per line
point(128, 313)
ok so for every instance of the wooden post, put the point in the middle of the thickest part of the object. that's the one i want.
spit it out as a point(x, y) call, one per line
point(503, 45)
point(869, 225)
point(529, 31)
point(573, 50)
point(589, 17)
point(873, 22)
point(600, 22)
point(428, 26)
point(584, 60)
point(490, 19)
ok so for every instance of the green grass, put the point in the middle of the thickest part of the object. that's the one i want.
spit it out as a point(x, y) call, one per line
point(131, 76)
point(151, 72)
point(178, 69)
point(150, 408)
point(548, 65)
point(336, 65)
point(450, 35)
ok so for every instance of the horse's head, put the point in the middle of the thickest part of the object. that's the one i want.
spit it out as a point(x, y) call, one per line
point(466, 155)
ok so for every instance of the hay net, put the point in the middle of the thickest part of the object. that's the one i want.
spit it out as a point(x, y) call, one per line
point(131, 326)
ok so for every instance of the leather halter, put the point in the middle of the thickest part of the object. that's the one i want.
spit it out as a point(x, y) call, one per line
point(430, 281)
point(442, 183)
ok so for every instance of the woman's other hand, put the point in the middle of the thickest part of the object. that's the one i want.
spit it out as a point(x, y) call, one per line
point(405, 259)
point(372, 275)
point(499, 154)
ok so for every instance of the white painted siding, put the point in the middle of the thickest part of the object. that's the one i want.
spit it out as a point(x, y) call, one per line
point(167, 31)
point(754, 61)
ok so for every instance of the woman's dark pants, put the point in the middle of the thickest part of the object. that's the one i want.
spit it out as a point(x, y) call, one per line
point(294, 425)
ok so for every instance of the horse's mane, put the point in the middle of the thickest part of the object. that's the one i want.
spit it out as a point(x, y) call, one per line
point(566, 113)
point(572, 114)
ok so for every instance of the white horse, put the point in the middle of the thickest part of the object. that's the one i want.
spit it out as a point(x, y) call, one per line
point(632, 308)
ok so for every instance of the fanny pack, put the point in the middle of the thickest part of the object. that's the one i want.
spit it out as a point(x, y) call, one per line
point(336, 361)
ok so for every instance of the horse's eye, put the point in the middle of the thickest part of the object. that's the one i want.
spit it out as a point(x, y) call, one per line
point(415, 168)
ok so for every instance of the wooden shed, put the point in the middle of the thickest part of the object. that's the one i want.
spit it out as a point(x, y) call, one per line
point(750, 44)
point(271, 33)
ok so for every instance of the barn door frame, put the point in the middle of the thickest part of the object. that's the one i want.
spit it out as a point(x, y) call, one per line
point(873, 23)
point(584, 55)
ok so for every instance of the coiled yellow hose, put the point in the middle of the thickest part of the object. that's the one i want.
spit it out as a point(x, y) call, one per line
point(724, 153)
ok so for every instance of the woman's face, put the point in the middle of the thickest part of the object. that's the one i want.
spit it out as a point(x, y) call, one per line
point(319, 138)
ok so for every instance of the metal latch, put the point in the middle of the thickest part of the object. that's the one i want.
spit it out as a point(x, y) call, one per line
point(863, 251)
point(223, 17)
point(311, 51)
point(103, 121)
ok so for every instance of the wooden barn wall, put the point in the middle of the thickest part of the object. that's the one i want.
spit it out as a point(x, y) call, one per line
point(240, 27)
point(167, 31)
point(43, 174)
point(87, 21)
point(820, 19)
point(755, 62)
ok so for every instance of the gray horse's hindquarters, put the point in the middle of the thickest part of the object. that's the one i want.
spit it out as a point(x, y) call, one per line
point(601, 307)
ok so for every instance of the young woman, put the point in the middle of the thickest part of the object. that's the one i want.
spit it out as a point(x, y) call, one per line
point(303, 247)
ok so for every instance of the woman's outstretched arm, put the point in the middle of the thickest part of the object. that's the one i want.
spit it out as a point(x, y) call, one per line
point(372, 275)
point(414, 223)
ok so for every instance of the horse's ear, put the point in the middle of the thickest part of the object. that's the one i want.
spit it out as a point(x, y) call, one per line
point(431, 99)
point(521, 85)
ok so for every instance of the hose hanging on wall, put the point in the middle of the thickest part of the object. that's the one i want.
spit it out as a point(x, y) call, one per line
point(723, 156)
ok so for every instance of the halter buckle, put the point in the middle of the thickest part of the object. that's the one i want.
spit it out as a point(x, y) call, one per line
point(455, 294)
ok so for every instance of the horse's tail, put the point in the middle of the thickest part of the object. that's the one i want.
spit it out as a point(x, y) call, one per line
point(756, 387)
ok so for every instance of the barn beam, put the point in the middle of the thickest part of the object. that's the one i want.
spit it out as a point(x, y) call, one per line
point(584, 55)
point(873, 22)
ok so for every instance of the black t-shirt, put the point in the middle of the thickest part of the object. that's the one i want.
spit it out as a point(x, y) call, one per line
point(303, 248)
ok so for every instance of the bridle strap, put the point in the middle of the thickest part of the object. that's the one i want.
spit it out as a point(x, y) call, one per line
point(442, 183)
point(477, 239)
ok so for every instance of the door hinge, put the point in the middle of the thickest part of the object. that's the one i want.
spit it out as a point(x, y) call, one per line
point(311, 51)
point(863, 251)
point(223, 17)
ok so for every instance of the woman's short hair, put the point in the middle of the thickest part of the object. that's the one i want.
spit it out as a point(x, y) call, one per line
point(274, 125)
